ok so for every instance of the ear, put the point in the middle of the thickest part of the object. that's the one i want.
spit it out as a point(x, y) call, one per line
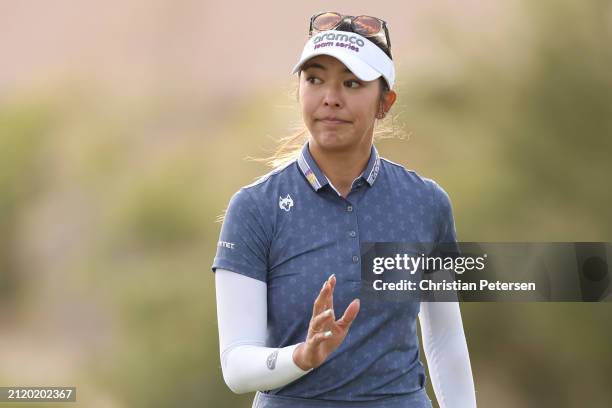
point(388, 100)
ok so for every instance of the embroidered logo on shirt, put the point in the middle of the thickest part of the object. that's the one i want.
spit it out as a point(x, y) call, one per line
point(225, 244)
point(285, 203)
point(271, 360)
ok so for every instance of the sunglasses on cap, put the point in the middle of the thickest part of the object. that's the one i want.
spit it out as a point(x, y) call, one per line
point(370, 27)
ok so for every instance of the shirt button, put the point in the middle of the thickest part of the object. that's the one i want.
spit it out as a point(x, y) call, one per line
point(349, 208)
point(352, 234)
point(355, 259)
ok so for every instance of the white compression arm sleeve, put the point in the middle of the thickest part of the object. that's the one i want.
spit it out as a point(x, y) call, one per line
point(242, 316)
point(447, 354)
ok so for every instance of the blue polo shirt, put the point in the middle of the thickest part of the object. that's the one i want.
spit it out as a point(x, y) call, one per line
point(292, 230)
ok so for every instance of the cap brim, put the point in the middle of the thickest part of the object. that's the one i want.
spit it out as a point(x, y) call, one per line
point(361, 70)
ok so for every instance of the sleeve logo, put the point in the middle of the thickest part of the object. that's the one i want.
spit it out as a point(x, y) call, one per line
point(271, 360)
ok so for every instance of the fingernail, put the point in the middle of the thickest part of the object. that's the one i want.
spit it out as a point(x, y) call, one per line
point(330, 277)
point(327, 334)
point(328, 312)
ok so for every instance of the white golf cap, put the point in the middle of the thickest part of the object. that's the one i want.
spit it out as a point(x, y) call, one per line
point(359, 54)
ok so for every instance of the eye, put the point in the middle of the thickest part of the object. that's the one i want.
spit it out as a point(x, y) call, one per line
point(352, 83)
point(313, 80)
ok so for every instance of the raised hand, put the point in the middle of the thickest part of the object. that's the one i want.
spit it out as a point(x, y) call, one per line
point(325, 334)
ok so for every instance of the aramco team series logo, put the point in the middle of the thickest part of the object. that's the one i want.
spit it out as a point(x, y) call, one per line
point(339, 36)
point(285, 203)
point(338, 39)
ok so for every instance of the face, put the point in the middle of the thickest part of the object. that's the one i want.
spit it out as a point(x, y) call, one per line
point(338, 108)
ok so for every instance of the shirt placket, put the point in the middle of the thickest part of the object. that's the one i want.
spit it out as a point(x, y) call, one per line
point(352, 230)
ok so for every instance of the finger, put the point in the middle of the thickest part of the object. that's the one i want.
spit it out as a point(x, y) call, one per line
point(319, 304)
point(320, 337)
point(332, 283)
point(322, 320)
point(327, 298)
point(349, 314)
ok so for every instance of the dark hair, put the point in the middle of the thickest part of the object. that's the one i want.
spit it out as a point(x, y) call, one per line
point(380, 45)
point(374, 40)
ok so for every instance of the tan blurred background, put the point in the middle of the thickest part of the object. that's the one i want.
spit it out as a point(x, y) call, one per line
point(124, 128)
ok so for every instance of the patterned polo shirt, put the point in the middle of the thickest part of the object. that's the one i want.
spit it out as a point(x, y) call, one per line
point(291, 229)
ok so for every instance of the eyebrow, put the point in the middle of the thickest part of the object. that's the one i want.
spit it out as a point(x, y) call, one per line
point(317, 65)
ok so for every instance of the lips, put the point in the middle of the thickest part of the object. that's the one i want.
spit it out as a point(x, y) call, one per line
point(332, 120)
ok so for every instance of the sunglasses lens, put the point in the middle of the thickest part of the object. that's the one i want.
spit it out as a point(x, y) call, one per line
point(326, 21)
point(366, 25)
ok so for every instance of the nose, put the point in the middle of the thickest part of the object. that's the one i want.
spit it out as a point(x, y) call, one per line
point(332, 97)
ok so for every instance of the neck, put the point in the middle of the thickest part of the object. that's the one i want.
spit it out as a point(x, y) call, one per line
point(341, 167)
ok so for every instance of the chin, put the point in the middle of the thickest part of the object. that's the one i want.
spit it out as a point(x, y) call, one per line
point(331, 141)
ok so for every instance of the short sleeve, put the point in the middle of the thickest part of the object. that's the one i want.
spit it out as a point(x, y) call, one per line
point(243, 242)
point(447, 237)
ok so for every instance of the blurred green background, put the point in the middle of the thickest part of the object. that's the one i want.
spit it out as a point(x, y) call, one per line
point(124, 130)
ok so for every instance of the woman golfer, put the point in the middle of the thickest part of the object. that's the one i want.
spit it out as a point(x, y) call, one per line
point(288, 273)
